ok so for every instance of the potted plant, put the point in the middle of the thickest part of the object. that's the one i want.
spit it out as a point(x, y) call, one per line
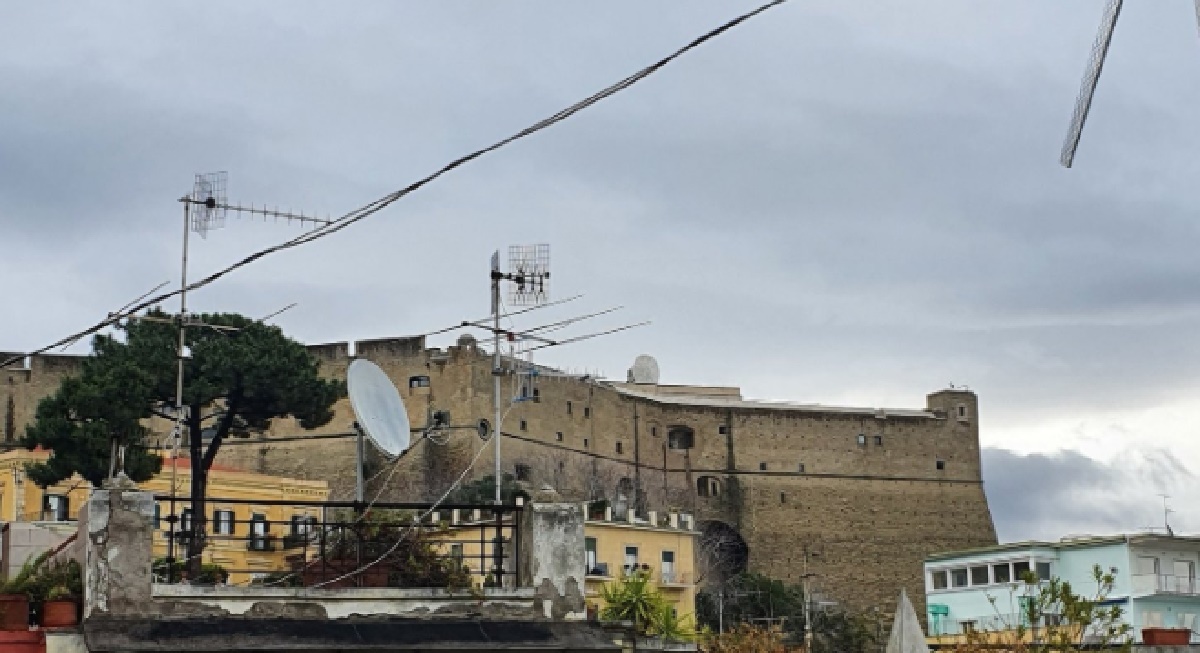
point(61, 607)
point(15, 594)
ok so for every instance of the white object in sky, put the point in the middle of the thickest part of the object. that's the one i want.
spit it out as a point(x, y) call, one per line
point(377, 405)
point(644, 370)
point(907, 636)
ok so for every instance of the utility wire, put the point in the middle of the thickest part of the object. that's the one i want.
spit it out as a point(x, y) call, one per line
point(385, 201)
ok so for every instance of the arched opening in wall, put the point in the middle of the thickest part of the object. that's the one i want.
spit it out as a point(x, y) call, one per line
point(721, 553)
point(708, 486)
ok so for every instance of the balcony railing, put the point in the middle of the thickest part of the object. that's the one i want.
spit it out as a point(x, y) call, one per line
point(675, 578)
point(340, 544)
point(1165, 584)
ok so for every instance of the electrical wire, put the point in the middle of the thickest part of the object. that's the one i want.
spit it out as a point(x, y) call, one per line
point(367, 210)
point(418, 520)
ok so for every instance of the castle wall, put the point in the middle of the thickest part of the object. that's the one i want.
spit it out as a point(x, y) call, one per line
point(790, 480)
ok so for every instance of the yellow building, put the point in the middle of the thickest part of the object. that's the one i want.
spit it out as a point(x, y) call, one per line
point(245, 537)
point(662, 543)
point(665, 543)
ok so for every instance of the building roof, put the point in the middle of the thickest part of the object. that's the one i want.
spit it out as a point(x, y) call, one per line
point(1071, 542)
point(718, 401)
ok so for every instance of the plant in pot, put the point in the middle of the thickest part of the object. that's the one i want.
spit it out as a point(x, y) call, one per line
point(15, 595)
point(61, 607)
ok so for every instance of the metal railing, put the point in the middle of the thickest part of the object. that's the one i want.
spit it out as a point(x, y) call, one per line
point(339, 544)
point(1165, 584)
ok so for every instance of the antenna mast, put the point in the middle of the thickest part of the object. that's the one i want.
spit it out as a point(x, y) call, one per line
point(529, 272)
point(203, 210)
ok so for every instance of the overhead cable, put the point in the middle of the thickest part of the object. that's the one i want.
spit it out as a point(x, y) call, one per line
point(385, 201)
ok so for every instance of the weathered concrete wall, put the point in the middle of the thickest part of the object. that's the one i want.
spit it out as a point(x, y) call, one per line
point(553, 558)
point(24, 541)
point(117, 527)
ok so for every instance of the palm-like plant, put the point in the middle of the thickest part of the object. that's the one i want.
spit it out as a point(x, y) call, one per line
point(634, 598)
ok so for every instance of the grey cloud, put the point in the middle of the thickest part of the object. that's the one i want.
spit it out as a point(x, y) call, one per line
point(1048, 496)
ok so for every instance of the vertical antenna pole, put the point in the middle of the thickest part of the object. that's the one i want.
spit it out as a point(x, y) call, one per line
point(359, 492)
point(178, 391)
point(496, 367)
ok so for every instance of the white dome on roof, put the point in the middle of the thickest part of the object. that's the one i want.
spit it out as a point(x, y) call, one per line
point(644, 370)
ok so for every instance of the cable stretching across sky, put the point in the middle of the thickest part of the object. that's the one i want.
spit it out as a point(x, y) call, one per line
point(385, 201)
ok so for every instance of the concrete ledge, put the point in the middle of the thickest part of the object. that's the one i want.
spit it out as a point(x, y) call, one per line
point(138, 635)
point(272, 602)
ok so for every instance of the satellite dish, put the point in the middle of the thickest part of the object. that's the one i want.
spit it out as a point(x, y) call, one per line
point(381, 414)
point(644, 370)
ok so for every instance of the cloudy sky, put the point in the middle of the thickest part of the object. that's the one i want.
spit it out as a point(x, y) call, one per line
point(836, 202)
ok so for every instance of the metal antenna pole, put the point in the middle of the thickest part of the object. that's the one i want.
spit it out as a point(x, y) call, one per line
point(179, 389)
point(496, 370)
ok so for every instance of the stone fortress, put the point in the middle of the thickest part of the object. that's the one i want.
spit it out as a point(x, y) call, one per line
point(855, 497)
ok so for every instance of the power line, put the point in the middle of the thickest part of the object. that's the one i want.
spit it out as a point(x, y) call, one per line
point(385, 201)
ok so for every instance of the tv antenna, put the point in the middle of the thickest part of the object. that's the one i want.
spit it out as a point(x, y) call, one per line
point(1087, 89)
point(380, 415)
point(529, 274)
point(204, 210)
point(1167, 514)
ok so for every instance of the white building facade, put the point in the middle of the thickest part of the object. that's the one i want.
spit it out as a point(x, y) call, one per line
point(1155, 581)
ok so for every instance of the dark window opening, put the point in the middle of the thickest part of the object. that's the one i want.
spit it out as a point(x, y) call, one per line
point(681, 437)
point(585, 443)
point(800, 468)
point(619, 448)
point(418, 381)
point(523, 472)
point(762, 467)
point(941, 465)
point(570, 408)
point(524, 425)
point(536, 394)
point(558, 436)
point(708, 486)
point(782, 497)
point(56, 508)
point(723, 429)
point(654, 431)
point(587, 411)
point(879, 440)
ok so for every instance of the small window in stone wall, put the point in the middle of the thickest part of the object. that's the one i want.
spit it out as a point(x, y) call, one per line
point(523, 472)
point(800, 468)
point(654, 431)
point(708, 486)
point(941, 465)
point(524, 425)
point(862, 440)
point(585, 443)
point(570, 408)
point(558, 436)
point(681, 437)
point(762, 467)
point(961, 411)
point(418, 381)
point(587, 411)
point(723, 429)
point(879, 440)
point(782, 497)
point(619, 447)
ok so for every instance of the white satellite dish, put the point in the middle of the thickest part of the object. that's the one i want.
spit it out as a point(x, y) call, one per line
point(380, 413)
point(644, 370)
point(378, 407)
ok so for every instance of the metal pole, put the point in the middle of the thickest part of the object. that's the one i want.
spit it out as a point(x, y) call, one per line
point(178, 392)
point(358, 467)
point(807, 604)
point(721, 611)
point(496, 371)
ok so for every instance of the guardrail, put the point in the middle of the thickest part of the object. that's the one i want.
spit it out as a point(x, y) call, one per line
point(340, 544)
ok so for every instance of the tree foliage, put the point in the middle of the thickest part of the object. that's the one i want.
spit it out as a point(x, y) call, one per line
point(746, 638)
point(236, 381)
point(634, 598)
point(483, 491)
point(1050, 617)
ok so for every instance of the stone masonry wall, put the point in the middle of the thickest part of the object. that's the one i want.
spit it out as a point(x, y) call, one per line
point(790, 480)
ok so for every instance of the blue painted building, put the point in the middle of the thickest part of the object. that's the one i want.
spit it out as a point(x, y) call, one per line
point(1155, 580)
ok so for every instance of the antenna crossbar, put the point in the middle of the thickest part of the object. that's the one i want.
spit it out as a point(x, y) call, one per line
point(263, 211)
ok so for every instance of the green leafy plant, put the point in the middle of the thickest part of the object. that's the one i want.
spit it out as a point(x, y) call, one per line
point(745, 638)
point(237, 380)
point(22, 582)
point(60, 593)
point(62, 575)
point(633, 598)
point(1050, 617)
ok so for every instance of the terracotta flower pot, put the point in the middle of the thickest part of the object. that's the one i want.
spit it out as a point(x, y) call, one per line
point(60, 613)
point(1166, 636)
point(14, 612)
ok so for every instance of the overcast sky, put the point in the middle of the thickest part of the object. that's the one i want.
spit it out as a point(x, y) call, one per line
point(853, 203)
